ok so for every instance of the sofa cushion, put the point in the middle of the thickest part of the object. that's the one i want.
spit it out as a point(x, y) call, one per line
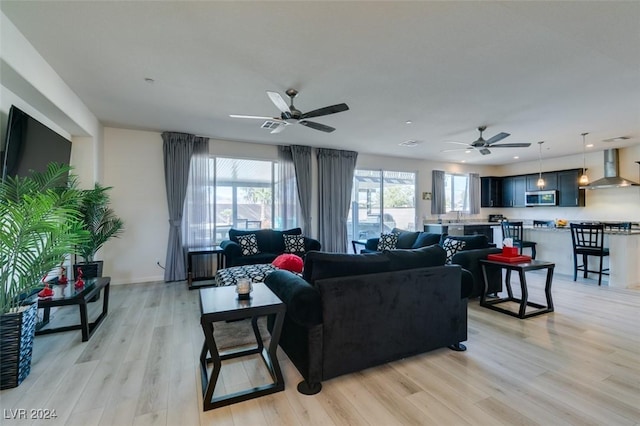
point(293, 243)
point(320, 265)
point(269, 240)
point(452, 247)
point(472, 242)
point(248, 244)
point(426, 239)
point(416, 258)
point(405, 238)
point(387, 241)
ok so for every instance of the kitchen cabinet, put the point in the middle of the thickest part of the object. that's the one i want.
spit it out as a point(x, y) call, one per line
point(569, 192)
point(490, 192)
point(513, 189)
point(550, 181)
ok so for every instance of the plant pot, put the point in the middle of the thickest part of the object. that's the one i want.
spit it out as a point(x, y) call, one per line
point(89, 270)
point(17, 331)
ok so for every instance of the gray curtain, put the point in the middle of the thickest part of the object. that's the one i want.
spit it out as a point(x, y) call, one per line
point(287, 207)
point(438, 203)
point(301, 156)
point(178, 148)
point(335, 181)
point(474, 193)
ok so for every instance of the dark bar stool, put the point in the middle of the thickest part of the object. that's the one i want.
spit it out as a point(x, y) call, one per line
point(514, 231)
point(588, 240)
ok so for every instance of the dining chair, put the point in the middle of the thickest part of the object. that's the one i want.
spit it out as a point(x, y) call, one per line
point(514, 230)
point(588, 240)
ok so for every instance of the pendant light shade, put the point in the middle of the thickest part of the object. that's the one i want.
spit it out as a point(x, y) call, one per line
point(584, 179)
point(540, 183)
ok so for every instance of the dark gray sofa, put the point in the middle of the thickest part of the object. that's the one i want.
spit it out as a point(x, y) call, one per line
point(406, 240)
point(353, 311)
point(270, 244)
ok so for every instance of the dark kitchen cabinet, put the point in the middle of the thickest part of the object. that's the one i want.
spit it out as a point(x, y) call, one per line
point(513, 189)
point(490, 192)
point(550, 181)
point(569, 192)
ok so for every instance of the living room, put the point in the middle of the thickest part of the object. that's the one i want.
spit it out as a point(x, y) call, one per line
point(130, 159)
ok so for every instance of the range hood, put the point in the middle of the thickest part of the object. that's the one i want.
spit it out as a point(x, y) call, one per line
point(612, 178)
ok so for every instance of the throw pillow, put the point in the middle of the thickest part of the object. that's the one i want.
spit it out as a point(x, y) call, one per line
point(293, 243)
point(387, 241)
point(288, 262)
point(452, 247)
point(248, 244)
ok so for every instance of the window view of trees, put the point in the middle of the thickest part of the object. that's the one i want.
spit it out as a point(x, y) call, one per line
point(456, 190)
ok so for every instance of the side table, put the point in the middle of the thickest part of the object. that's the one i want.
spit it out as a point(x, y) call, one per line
point(520, 268)
point(201, 251)
point(222, 304)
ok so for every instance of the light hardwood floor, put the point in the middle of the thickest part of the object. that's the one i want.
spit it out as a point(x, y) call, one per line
point(577, 366)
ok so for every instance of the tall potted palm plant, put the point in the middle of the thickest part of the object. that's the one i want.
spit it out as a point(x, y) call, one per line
point(39, 226)
point(102, 224)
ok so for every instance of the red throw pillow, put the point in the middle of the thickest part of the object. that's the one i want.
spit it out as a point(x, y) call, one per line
point(288, 262)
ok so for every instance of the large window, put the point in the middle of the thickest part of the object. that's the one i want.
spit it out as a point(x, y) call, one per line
point(456, 192)
point(241, 194)
point(380, 201)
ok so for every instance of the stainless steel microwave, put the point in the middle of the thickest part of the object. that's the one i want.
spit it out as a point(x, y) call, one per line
point(541, 198)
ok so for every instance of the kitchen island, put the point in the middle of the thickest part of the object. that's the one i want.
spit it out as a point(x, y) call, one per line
point(554, 245)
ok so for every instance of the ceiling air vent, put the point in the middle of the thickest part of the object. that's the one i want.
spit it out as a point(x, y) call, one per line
point(410, 143)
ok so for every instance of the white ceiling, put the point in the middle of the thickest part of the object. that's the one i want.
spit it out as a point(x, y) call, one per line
point(537, 70)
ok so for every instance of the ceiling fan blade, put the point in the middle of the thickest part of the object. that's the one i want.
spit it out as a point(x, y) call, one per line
point(279, 102)
point(255, 117)
point(317, 126)
point(325, 111)
point(484, 151)
point(459, 143)
point(497, 138)
point(455, 150)
point(511, 145)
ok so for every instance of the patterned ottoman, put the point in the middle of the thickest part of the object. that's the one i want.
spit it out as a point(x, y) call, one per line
point(256, 273)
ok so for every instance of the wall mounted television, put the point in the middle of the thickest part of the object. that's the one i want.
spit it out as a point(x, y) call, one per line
point(30, 145)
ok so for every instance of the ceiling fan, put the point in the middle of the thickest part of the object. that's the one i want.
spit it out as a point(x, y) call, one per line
point(289, 114)
point(483, 145)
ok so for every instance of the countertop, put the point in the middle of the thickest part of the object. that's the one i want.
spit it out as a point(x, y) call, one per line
point(567, 229)
point(446, 223)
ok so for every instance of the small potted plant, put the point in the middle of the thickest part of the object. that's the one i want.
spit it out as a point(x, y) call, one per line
point(102, 224)
point(39, 226)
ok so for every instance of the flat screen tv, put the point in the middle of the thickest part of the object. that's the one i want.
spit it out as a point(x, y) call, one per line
point(30, 145)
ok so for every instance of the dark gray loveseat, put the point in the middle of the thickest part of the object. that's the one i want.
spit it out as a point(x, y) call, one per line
point(354, 311)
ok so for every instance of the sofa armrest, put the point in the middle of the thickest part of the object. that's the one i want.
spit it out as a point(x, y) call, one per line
point(231, 249)
point(371, 245)
point(303, 302)
point(469, 260)
point(311, 244)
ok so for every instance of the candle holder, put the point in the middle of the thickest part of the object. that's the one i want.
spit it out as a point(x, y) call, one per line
point(244, 288)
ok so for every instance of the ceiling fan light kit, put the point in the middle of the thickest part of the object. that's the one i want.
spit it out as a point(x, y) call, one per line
point(289, 114)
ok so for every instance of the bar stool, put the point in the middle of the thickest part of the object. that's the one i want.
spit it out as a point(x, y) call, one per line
point(588, 240)
point(514, 231)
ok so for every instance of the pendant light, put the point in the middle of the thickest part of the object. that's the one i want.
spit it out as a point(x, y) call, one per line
point(540, 183)
point(584, 179)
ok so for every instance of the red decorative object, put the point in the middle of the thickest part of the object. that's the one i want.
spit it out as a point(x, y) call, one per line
point(508, 259)
point(79, 282)
point(46, 291)
point(62, 279)
point(289, 262)
point(509, 251)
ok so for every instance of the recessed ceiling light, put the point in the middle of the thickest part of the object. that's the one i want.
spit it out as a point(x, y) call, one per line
point(589, 145)
point(515, 157)
point(616, 139)
point(467, 151)
point(463, 161)
point(408, 122)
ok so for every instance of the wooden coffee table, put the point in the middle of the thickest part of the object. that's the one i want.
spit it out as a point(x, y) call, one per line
point(222, 304)
point(65, 295)
point(520, 268)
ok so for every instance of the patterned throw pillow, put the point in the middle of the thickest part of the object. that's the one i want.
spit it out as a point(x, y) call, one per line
point(293, 243)
point(248, 244)
point(452, 247)
point(387, 241)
